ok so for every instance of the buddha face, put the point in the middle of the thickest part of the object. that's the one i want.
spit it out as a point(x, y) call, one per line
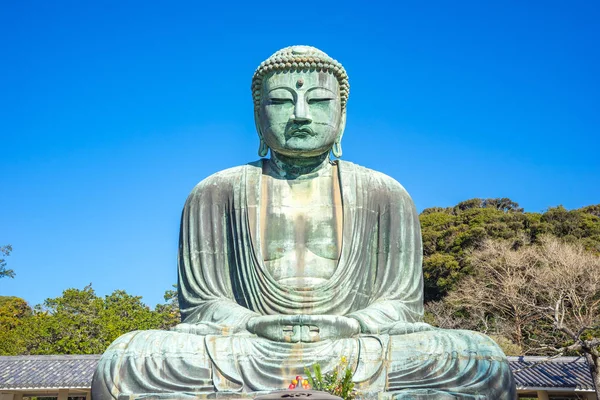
point(300, 113)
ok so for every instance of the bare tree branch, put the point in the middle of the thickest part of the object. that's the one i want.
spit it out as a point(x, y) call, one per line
point(545, 298)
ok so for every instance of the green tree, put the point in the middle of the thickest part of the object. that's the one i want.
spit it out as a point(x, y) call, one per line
point(5, 252)
point(78, 322)
point(122, 313)
point(68, 324)
point(449, 234)
point(14, 312)
point(170, 310)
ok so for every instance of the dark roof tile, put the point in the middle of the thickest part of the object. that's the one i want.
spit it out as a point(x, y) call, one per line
point(562, 372)
point(47, 371)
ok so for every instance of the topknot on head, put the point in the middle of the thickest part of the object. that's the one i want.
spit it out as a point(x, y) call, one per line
point(300, 58)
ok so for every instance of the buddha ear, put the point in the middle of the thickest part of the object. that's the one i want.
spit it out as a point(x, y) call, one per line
point(263, 149)
point(337, 145)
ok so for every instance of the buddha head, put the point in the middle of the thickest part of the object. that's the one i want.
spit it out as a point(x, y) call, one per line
point(300, 96)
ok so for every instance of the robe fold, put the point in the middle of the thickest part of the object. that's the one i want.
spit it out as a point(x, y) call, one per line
point(223, 282)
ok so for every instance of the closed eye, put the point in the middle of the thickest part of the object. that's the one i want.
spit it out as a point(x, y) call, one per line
point(280, 101)
point(319, 100)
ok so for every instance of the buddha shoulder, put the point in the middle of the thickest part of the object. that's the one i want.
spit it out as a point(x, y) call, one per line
point(378, 183)
point(220, 186)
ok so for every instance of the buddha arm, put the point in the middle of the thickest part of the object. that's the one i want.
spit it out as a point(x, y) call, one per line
point(397, 294)
point(380, 316)
point(206, 294)
point(217, 317)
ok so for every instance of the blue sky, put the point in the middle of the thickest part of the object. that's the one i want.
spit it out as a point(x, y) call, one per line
point(112, 111)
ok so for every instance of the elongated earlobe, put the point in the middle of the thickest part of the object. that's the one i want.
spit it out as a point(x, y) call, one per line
point(263, 149)
point(337, 145)
point(337, 149)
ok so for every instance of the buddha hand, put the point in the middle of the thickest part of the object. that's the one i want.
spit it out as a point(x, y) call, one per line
point(303, 328)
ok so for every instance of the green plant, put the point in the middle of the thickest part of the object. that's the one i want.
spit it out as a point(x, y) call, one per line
point(337, 382)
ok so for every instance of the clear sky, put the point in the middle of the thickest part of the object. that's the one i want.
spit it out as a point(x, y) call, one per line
point(111, 111)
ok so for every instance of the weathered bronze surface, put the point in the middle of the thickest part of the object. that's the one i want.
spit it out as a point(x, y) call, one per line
point(297, 259)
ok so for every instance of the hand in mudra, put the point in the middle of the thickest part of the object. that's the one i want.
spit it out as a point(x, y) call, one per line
point(303, 328)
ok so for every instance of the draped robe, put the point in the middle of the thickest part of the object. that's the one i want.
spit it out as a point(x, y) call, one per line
point(223, 282)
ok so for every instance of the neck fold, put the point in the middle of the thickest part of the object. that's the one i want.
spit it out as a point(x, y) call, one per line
point(298, 168)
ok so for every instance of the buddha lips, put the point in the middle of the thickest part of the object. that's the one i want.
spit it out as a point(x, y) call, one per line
point(300, 132)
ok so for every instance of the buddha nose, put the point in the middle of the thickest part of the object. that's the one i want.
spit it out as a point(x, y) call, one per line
point(301, 113)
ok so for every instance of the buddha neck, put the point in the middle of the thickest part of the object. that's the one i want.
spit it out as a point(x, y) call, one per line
point(285, 167)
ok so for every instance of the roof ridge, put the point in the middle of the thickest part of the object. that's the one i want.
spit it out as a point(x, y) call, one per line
point(549, 359)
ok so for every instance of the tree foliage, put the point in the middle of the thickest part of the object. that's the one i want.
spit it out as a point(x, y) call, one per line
point(449, 234)
point(13, 312)
point(78, 322)
point(529, 280)
point(170, 309)
point(5, 272)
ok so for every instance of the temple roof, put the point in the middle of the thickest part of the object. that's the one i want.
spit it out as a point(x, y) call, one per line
point(47, 372)
point(561, 372)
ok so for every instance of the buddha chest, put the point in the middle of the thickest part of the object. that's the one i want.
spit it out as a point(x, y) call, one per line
point(301, 229)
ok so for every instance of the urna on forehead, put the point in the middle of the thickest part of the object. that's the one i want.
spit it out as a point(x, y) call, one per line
point(300, 58)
